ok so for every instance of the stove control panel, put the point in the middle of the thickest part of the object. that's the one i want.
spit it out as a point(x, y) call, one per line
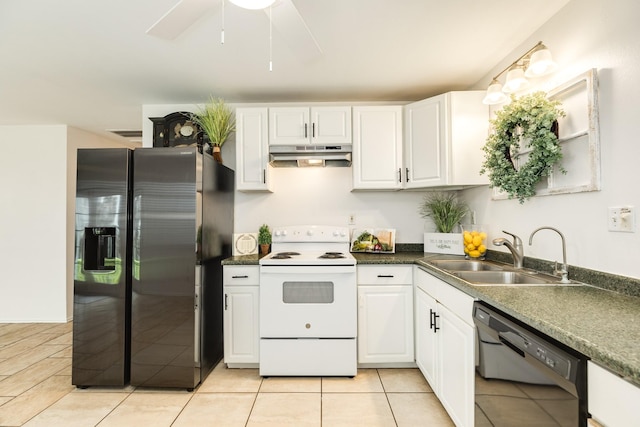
point(310, 233)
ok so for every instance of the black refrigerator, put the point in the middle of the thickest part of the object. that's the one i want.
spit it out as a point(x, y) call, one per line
point(152, 227)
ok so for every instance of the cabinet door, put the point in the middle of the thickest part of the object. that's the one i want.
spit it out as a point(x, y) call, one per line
point(241, 316)
point(426, 337)
point(612, 400)
point(252, 150)
point(385, 324)
point(456, 365)
point(377, 148)
point(467, 131)
point(330, 125)
point(425, 143)
point(289, 126)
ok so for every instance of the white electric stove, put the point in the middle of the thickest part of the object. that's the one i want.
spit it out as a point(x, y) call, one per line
point(308, 303)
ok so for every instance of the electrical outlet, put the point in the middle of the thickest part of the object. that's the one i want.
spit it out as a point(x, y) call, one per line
point(622, 219)
point(352, 219)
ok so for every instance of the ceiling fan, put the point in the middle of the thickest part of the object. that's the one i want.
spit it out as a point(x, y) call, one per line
point(285, 18)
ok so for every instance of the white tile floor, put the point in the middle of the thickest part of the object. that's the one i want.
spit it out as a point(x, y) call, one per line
point(36, 390)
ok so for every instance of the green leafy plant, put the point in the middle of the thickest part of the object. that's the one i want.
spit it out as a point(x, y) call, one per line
point(216, 120)
point(264, 235)
point(530, 120)
point(444, 209)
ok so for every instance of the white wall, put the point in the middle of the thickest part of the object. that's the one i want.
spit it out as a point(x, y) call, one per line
point(32, 223)
point(37, 220)
point(586, 34)
point(322, 196)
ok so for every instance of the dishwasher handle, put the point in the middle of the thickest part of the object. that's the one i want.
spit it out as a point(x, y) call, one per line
point(511, 345)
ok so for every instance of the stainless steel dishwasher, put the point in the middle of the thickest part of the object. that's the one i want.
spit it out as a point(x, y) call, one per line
point(523, 377)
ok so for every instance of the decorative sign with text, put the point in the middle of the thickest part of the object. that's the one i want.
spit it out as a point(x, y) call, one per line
point(444, 243)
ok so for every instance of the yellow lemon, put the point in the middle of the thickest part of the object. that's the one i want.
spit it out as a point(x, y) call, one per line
point(474, 233)
point(467, 237)
point(477, 241)
point(474, 254)
point(471, 246)
point(482, 249)
point(466, 250)
point(483, 235)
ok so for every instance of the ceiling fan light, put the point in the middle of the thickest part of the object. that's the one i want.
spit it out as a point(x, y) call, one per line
point(515, 80)
point(494, 95)
point(541, 63)
point(253, 4)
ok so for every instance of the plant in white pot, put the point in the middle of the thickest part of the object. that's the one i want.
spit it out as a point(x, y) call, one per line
point(446, 212)
point(217, 121)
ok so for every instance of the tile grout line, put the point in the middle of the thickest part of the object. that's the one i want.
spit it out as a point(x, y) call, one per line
point(386, 396)
point(254, 402)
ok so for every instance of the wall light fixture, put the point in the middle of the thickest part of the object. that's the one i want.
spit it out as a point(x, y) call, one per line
point(253, 4)
point(537, 62)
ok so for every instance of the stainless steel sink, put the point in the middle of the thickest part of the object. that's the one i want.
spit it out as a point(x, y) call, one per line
point(466, 265)
point(509, 278)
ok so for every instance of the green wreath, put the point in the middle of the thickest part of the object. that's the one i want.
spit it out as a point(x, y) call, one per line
point(532, 119)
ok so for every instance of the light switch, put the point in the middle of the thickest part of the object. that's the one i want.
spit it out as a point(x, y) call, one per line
point(622, 219)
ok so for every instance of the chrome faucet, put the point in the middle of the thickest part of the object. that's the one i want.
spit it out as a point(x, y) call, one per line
point(564, 270)
point(516, 248)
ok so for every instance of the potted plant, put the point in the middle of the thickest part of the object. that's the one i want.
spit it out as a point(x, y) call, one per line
point(217, 121)
point(264, 239)
point(446, 212)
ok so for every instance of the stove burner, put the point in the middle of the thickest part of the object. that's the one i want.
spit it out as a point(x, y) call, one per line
point(284, 255)
point(332, 255)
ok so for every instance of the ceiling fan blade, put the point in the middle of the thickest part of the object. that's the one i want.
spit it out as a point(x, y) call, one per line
point(289, 23)
point(179, 18)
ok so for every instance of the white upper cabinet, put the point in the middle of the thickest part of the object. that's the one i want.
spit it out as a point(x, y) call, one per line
point(304, 125)
point(444, 136)
point(252, 150)
point(377, 148)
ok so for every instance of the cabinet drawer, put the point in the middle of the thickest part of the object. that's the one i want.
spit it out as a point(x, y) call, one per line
point(458, 302)
point(385, 274)
point(241, 275)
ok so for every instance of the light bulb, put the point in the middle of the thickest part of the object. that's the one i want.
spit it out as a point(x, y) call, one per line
point(515, 80)
point(494, 95)
point(541, 63)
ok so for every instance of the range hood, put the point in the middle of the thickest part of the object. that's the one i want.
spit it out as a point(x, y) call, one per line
point(310, 155)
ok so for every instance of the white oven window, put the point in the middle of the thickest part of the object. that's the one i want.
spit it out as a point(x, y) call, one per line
point(307, 292)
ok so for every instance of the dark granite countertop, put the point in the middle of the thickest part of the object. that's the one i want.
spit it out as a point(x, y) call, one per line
point(600, 323)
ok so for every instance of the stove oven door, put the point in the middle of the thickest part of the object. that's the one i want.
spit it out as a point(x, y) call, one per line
point(308, 302)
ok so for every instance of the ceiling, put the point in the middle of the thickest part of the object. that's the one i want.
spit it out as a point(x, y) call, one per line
point(89, 63)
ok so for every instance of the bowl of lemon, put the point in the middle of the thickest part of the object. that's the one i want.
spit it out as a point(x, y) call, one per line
point(475, 241)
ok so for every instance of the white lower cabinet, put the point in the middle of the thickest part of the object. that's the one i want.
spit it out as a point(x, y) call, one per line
point(385, 314)
point(445, 344)
point(612, 401)
point(241, 316)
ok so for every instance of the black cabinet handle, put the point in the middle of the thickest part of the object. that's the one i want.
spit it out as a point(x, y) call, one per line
point(226, 302)
point(432, 320)
point(240, 277)
point(399, 174)
point(305, 130)
point(264, 176)
point(407, 170)
point(385, 275)
point(313, 130)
